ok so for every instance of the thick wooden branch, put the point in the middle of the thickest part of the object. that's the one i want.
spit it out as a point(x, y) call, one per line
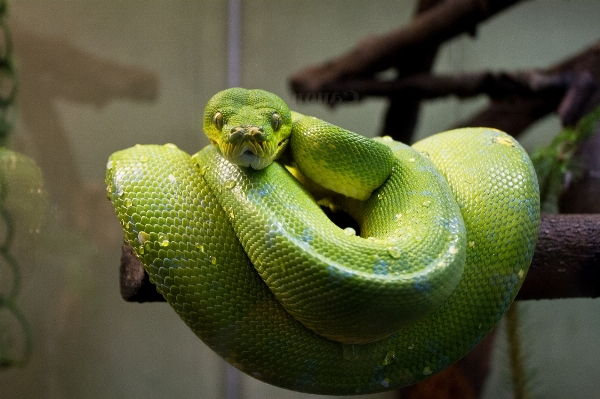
point(566, 263)
point(431, 28)
point(135, 283)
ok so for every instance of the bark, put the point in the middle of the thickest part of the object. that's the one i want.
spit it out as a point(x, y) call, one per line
point(581, 94)
point(566, 263)
point(431, 28)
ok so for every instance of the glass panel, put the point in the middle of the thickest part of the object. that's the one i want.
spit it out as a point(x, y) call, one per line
point(95, 77)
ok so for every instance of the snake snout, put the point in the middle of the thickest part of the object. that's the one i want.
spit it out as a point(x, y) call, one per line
point(246, 146)
point(240, 133)
point(248, 152)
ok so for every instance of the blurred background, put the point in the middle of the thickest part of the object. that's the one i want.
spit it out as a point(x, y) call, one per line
point(99, 76)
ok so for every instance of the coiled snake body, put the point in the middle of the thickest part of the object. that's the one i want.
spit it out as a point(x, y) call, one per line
point(245, 256)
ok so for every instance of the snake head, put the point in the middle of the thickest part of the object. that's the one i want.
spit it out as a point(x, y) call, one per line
point(251, 128)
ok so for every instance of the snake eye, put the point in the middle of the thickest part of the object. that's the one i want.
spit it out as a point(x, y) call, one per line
point(276, 121)
point(218, 120)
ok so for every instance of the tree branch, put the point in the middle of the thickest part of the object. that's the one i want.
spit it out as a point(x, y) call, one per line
point(499, 85)
point(581, 96)
point(566, 263)
point(403, 111)
point(374, 54)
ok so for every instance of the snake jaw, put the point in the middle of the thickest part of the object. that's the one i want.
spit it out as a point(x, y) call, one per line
point(249, 153)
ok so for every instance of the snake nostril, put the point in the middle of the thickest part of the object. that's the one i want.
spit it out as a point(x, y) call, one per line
point(236, 134)
point(257, 133)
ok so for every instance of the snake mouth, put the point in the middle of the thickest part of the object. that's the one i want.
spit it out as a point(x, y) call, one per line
point(253, 153)
point(249, 153)
point(248, 157)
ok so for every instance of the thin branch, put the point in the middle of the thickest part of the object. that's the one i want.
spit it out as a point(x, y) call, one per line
point(582, 192)
point(576, 98)
point(496, 85)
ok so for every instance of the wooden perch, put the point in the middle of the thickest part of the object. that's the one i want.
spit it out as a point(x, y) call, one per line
point(429, 29)
point(570, 88)
point(580, 95)
point(499, 85)
point(135, 283)
point(566, 263)
point(409, 50)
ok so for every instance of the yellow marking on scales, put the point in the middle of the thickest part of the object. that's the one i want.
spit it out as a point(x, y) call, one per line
point(504, 141)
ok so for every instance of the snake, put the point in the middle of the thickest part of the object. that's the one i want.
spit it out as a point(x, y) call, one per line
point(240, 239)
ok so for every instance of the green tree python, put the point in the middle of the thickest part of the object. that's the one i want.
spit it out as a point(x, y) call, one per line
point(240, 247)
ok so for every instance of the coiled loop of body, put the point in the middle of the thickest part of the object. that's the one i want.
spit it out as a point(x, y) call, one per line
point(251, 263)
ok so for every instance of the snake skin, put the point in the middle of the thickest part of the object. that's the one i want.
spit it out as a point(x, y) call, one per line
point(464, 203)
